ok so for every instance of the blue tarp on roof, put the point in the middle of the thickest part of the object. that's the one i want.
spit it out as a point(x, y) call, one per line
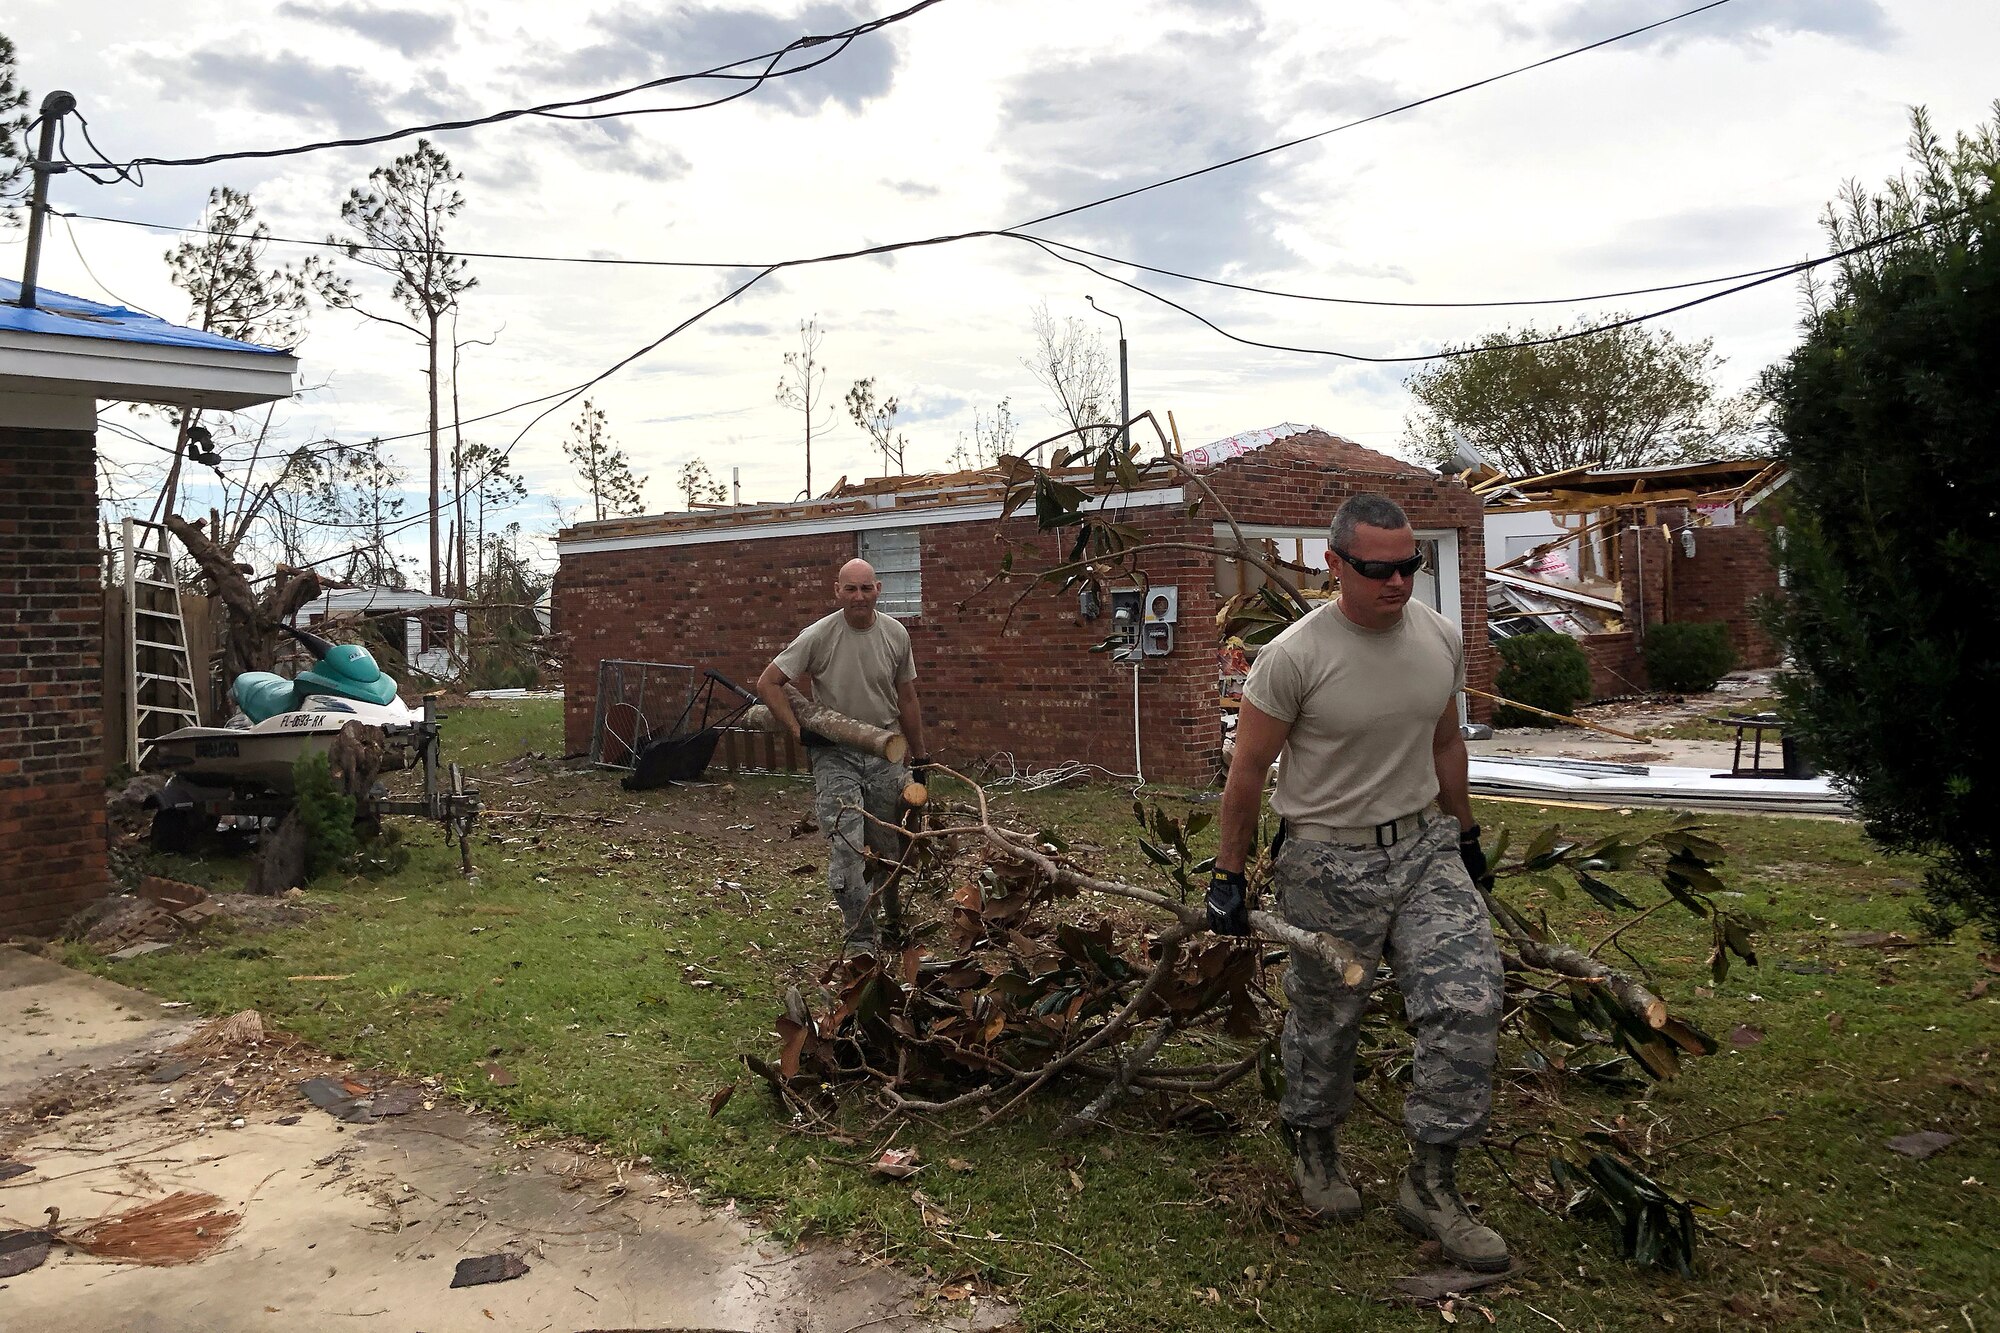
point(66, 316)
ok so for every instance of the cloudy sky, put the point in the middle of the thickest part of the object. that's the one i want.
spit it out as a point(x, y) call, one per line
point(1702, 149)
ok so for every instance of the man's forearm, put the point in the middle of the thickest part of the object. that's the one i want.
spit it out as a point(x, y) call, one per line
point(911, 714)
point(771, 689)
point(1242, 802)
point(1454, 766)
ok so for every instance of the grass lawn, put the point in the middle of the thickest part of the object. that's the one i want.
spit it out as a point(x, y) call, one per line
point(619, 970)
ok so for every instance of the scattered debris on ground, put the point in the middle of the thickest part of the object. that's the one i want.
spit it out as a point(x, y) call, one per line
point(183, 1228)
point(485, 1268)
point(1922, 1144)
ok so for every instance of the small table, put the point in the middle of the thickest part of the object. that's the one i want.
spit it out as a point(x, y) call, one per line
point(1757, 724)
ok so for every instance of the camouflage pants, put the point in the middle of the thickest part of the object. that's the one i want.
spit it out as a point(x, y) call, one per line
point(1414, 905)
point(842, 780)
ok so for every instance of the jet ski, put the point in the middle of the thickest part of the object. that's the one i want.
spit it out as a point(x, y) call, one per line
point(242, 773)
point(280, 720)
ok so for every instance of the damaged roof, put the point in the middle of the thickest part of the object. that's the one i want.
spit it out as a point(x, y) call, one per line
point(975, 489)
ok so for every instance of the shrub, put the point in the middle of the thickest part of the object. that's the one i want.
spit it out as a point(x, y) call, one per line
point(325, 812)
point(1889, 414)
point(1547, 671)
point(1688, 657)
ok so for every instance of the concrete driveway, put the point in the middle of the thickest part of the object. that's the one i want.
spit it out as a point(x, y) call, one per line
point(358, 1226)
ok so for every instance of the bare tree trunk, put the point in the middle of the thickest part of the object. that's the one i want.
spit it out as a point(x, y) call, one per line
point(457, 457)
point(431, 346)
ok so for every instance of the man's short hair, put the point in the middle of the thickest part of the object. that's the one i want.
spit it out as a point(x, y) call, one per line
point(1376, 511)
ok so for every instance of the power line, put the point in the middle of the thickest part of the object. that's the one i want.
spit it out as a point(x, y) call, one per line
point(560, 397)
point(842, 39)
point(528, 257)
point(1451, 353)
point(1413, 305)
point(391, 249)
point(1368, 119)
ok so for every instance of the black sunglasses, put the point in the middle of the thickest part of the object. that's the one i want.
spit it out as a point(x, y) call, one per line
point(1382, 569)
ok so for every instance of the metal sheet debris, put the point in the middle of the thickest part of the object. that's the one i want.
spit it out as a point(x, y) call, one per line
point(1652, 785)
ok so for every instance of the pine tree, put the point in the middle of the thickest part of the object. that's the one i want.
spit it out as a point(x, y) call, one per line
point(602, 467)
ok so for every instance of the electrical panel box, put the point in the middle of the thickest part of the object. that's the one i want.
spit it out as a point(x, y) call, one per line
point(1142, 622)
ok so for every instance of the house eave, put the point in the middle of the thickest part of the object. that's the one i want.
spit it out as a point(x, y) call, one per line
point(117, 371)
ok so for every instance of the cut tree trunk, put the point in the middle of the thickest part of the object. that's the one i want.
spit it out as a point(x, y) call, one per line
point(281, 858)
point(252, 641)
point(836, 727)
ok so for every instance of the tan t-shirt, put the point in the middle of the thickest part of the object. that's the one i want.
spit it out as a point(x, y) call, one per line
point(854, 671)
point(1363, 705)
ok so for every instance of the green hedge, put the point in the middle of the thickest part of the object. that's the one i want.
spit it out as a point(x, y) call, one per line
point(1547, 671)
point(1687, 658)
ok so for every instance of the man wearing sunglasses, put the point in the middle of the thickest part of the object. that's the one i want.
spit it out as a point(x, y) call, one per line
point(1377, 847)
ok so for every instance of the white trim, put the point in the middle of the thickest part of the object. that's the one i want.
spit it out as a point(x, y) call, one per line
point(870, 519)
point(107, 368)
point(1451, 605)
point(1776, 484)
point(47, 411)
point(1554, 591)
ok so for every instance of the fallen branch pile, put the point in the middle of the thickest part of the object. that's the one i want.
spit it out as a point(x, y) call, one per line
point(1036, 973)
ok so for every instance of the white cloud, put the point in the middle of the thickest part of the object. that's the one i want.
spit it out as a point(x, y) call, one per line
point(1707, 149)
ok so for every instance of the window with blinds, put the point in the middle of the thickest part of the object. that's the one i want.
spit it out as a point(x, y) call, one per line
point(895, 554)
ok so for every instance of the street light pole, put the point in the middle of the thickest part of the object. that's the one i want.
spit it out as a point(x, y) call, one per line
point(1124, 381)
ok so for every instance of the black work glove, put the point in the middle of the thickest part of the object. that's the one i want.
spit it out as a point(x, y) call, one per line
point(1474, 856)
point(1228, 902)
point(920, 769)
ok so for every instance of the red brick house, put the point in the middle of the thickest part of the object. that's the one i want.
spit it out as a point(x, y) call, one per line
point(728, 589)
point(59, 357)
point(1688, 542)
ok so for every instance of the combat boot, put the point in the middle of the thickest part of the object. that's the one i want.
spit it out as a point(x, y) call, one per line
point(1329, 1195)
point(1428, 1204)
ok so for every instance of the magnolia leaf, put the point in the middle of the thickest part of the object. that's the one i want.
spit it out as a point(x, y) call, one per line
point(1677, 885)
point(1601, 891)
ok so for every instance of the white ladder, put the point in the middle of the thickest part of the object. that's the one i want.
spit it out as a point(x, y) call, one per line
point(159, 682)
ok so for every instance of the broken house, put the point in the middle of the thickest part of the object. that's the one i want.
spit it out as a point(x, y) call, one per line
point(59, 358)
point(431, 634)
point(1603, 553)
point(728, 588)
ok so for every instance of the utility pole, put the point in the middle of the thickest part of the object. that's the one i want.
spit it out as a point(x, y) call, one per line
point(1124, 381)
point(54, 107)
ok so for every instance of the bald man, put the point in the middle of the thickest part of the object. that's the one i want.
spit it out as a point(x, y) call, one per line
point(857, 662)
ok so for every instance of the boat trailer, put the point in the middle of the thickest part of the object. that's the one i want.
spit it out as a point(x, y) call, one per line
point(190, 806)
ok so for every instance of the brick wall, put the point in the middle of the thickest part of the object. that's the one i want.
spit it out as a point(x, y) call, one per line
point(51, 749)
point(1730, 569)
point(995, 680)
point(1615, 664)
